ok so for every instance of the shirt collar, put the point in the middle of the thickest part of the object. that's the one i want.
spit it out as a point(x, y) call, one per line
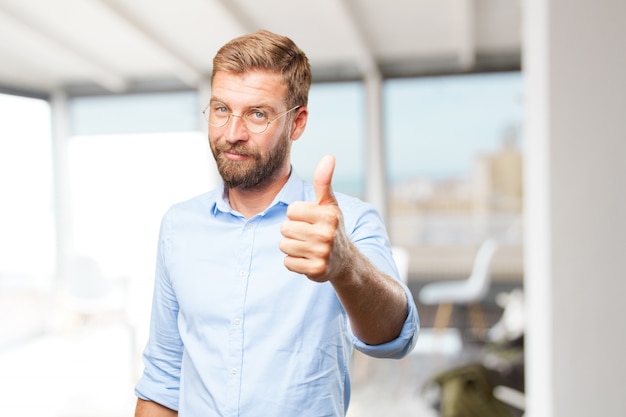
point(293, 190)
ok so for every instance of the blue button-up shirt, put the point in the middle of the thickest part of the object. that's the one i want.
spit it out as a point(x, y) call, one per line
point(234, 333)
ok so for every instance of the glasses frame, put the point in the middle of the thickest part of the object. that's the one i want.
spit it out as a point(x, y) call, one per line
point(243, 120)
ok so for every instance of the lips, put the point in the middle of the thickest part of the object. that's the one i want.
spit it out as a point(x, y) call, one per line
point(234, 156)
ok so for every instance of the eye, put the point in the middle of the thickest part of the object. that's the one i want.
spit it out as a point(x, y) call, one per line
point(256, 115)
point(219, 108)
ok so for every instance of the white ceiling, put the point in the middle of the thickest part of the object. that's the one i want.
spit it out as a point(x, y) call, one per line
point(96, 46)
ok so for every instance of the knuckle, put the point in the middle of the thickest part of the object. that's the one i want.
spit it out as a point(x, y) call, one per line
point(327, 236)
point(282, 245)
point(318, 268)
point(294, 208)
point(322, 252)
point(331, 216)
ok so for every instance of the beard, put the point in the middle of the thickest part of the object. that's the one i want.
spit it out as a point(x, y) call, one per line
point(255, 172)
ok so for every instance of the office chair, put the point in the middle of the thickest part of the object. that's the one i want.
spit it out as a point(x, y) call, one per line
point(470, 291)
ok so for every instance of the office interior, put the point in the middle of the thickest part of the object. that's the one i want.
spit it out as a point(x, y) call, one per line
point(75, 280)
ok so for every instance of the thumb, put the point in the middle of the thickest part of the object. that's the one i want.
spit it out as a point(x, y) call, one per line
point(322, 179)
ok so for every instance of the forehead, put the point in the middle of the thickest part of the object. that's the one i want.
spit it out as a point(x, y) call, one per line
point(249, 89)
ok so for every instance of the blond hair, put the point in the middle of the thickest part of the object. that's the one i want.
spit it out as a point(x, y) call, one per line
point(267, 51)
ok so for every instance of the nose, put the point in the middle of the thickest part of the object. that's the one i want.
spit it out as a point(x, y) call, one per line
point(235, 131)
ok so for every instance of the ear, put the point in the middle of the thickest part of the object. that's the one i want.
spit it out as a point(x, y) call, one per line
point(299, 122)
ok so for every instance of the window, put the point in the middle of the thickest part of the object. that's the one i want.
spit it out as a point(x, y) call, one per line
point(27, 239)
point(335, 126)
point(26, 212)
point(454, 152)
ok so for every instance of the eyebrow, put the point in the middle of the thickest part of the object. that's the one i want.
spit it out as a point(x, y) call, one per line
point(262, 106)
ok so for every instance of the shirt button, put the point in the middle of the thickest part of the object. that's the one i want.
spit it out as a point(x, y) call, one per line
point(242, 273)
point(233, 371)
point(237, 322)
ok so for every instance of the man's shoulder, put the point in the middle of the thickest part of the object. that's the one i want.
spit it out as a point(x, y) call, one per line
point(349, 203)
point(200, 203)
point(342, 198)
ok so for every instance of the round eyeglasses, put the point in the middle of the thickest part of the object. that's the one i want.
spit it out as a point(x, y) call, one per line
point(255, 120)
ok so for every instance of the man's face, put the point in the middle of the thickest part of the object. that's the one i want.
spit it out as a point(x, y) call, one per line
point(247, 160)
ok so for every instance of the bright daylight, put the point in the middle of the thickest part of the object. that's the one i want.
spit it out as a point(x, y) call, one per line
point(338, 208)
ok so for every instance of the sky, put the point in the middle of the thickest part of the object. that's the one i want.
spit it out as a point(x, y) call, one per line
point(436, 126)
point(433, 127)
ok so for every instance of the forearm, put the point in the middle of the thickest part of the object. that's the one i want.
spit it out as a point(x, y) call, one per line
point(151, 409)
point(375, 303)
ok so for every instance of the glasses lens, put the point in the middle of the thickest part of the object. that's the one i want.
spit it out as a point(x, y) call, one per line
point(256, 121)
point(217, 114)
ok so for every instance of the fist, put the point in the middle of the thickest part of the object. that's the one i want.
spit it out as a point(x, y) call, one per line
point(313, 232)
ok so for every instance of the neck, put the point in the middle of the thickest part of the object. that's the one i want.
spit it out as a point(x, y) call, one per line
point(253, 201)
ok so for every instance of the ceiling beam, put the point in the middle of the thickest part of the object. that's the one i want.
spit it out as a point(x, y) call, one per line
point(185, 71)
point(467, 34)
point(243, 19)
point(365, 59)
point(102, 74)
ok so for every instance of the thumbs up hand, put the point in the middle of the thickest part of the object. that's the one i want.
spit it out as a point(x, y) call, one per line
point(322, 178)
point(316, 245)
point(314, 238)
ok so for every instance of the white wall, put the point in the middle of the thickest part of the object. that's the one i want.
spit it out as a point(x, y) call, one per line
point(575, 69)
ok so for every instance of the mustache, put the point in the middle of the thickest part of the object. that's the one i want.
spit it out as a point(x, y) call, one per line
point(238, 149)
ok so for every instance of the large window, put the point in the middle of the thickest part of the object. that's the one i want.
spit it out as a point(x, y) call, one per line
point(454, 152)
point(27, 248)
point(336, 126)
point(26, 215)
point(130, 158)
point(124, 172)
point(121, 185)
point(453, 148)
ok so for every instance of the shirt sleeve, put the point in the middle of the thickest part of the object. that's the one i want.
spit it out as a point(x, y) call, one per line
point(368, 233)
point(400, 346)
point(163, 353)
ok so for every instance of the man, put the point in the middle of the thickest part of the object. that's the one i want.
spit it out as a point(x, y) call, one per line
point(264, 285)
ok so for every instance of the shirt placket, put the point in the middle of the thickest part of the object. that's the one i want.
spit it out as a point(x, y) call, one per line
point(237, 317)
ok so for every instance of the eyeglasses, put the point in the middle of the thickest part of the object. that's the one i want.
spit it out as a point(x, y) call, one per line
point(255, 120)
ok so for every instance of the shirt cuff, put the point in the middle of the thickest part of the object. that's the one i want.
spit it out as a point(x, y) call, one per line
point(400, 346)
point(150, 390)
